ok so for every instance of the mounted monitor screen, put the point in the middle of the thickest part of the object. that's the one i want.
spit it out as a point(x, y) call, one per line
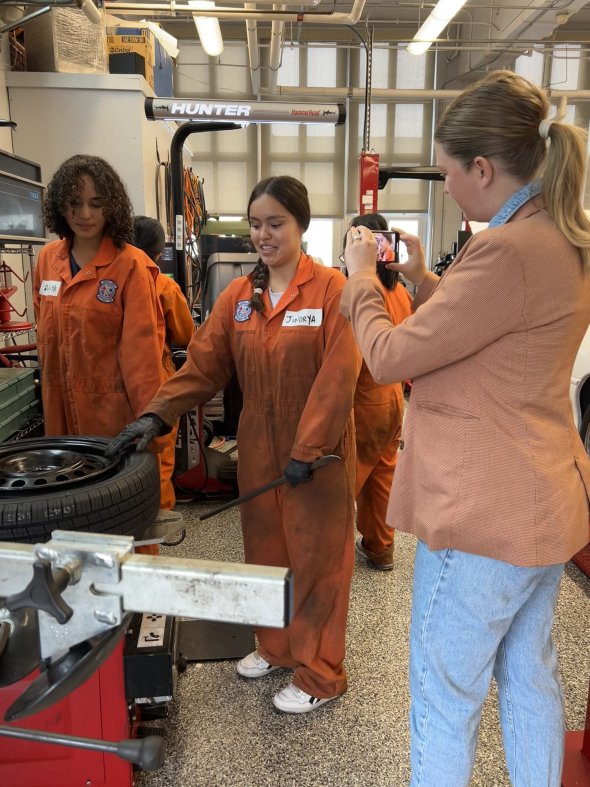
point(21, 216)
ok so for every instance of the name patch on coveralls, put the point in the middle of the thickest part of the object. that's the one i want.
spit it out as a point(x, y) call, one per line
point(306, 317)
point(243, 311)
point(107, 289)
point(49, 287)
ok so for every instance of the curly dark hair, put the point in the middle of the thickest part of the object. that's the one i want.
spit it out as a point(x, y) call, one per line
point(292, 195)
point(64, 187)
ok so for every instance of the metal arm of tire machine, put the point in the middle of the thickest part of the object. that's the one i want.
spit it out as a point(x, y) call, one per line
point(198, 112)
point(84, 587)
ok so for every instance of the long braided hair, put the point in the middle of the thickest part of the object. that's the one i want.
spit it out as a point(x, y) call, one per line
point(292, 195)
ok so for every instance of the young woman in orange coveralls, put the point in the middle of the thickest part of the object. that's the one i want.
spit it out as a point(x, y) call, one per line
point(297, 363)
point(95, 304)
point(149, 236)
point(378, 416)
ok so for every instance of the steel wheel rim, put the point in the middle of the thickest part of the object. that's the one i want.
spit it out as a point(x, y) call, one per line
point(46, 465)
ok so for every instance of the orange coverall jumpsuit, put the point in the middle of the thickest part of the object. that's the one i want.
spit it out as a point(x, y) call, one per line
point(99, 337)
point(378, 416)
point(179, 329)
point(297, 366)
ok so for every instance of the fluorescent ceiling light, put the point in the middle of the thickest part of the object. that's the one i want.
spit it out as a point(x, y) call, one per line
point(435, 23)
point(207, 27)
point(90, 10)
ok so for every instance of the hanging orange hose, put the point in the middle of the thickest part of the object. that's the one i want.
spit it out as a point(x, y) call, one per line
point(195, 217)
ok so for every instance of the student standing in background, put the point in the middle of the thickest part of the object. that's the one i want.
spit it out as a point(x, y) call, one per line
point(149, 236)
point(378, 416)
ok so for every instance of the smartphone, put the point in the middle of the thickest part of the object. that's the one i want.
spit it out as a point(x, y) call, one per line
point(387, 242)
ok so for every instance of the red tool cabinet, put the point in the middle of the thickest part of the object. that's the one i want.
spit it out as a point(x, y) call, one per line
point(576, 766)
point(97, 709)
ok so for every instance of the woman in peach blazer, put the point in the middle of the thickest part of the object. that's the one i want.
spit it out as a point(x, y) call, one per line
point(492, 477)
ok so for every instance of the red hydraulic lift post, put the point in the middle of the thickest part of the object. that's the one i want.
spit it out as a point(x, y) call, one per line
point(368, 182)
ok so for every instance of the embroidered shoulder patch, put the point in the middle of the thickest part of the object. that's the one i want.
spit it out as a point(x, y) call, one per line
point(243, 311)
point(107, 289)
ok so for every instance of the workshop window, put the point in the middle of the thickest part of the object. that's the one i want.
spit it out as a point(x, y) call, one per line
point(411, 70)
point(309, 152)
point(288, 73)
point(223, 160)
point(531, 66)
point(322, 67)
point(565, 67)
point(380, 76)
point(400, 132)
point(319, 241)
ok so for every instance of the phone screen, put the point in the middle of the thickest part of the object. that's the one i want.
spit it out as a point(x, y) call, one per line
point(388, 246)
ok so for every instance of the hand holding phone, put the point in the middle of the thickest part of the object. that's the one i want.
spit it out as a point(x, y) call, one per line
point(387, 246)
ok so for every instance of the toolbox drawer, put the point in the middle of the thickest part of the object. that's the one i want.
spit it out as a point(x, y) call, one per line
point(10, 407)
point(19, 399)
point(14, 381)
point(16, 421)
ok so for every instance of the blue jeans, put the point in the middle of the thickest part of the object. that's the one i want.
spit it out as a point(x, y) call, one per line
point(473, 617)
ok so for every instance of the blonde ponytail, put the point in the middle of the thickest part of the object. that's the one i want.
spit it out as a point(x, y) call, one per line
point(563, 181)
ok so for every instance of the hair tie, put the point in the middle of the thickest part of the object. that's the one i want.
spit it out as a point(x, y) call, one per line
point(544, 127)
point(258, 290)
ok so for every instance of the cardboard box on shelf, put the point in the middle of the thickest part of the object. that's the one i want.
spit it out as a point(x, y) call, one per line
point(65, 40)
point(151, 59)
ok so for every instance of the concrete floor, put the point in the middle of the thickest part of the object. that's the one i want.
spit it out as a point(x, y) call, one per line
point(224, 732)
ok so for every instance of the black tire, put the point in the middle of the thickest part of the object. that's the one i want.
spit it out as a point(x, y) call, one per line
point(118, 496)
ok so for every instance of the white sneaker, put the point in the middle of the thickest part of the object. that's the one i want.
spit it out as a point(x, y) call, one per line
point(254, 666)
point(294, 700)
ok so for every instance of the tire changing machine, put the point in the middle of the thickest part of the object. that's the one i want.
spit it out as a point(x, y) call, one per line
point(67, 605)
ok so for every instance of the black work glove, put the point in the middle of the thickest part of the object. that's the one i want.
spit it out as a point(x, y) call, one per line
point(143, 430)
point(298, 472)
